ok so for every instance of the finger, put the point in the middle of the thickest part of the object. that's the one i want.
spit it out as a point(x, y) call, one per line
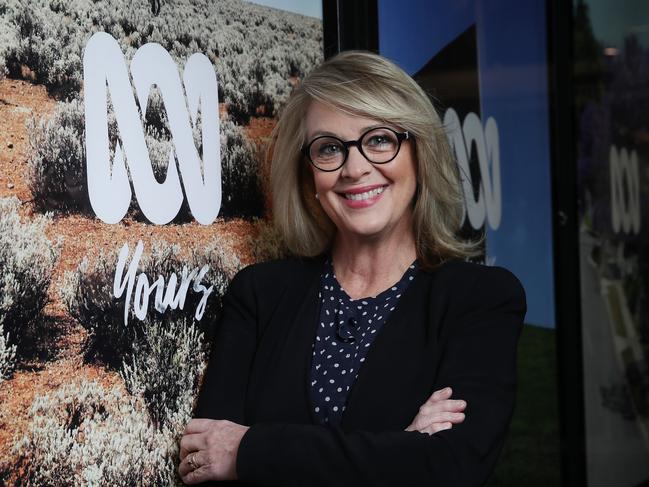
point(198, 425)
point(450, 405)
point(422, 422)
point(183, 453)
point(440, 395)
point(453, 406)
point(446, 417)
point(192, 443)
point(428, 411)
point(196, 476)
point(193, 462)
point(457, 405)
point(185, 467)
point(456, 418)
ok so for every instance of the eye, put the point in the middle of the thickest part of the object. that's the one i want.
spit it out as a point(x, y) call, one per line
point(326, 148)
point(380, 141)
point(329, 149)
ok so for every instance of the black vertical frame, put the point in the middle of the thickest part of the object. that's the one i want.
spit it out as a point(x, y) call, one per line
point(350, 25)
point(570, 380)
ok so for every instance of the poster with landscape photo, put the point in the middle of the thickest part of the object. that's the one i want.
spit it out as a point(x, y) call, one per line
point(132, 188)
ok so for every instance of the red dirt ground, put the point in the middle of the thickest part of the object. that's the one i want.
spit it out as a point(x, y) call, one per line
point(19, 100)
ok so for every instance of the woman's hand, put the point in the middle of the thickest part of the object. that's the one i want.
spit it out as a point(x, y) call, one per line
point(438, 413)
point(208, 450)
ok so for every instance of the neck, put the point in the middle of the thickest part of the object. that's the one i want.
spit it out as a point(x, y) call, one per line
point(367, 266)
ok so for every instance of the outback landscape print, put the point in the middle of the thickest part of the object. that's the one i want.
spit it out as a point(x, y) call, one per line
point(105, 327)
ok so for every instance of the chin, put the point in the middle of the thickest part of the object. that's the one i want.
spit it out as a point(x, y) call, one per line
point(368, 231)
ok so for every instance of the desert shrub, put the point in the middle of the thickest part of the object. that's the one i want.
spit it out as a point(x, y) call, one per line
point(8, 34)
point(87, 293)
point(88, 296)
point(165, 367)
point(47, 44)
point(83, 434)
point(266, 242)
point(156, 119)
point(240, 174)
point(7, 355)
point(57, 164)
point(276, 91)
point(159, 150)
point(27, 258)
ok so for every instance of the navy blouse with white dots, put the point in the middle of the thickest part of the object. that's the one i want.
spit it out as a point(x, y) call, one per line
point(345, 333)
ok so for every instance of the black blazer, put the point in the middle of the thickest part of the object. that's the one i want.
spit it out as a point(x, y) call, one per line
point(457, 326)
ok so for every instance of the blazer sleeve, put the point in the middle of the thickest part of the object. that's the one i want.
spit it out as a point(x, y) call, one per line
point(478, 346)
point(232, 353)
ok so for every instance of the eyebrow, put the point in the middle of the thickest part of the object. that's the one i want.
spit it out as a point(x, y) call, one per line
point(320, 133)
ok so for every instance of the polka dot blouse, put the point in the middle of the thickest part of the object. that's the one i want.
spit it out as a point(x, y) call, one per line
point(346, 330)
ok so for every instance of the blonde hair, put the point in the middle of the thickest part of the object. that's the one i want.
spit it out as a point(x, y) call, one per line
point(368, 85)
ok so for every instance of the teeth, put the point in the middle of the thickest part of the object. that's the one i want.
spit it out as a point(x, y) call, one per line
point(364, 196)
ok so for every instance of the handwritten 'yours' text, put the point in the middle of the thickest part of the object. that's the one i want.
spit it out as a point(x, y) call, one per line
point(126, 281)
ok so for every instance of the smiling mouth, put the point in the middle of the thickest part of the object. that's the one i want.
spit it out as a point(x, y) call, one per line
point(366, 195)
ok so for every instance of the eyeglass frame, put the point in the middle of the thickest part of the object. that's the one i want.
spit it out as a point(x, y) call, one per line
point(401, 136)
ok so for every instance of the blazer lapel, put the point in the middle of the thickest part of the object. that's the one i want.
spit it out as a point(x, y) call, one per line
point(281, 387)
point(305, 328)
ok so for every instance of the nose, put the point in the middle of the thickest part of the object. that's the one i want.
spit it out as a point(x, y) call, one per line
point(356, 165)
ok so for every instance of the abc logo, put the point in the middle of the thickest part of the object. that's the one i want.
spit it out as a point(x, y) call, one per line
point(625, 190)
point(105, 72)
point(462, 136)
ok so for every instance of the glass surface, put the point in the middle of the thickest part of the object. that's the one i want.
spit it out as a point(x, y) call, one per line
point(611, 73)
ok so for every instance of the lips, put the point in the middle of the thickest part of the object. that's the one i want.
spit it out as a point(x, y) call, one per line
point(362, 197)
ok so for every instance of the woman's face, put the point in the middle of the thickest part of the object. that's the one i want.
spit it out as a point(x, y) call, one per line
point(363, 199)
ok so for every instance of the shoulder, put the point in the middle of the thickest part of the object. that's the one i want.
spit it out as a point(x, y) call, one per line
point(473, 300)
point(281, 269)
point(275, 276)
point(465, 274)
point(469, 285)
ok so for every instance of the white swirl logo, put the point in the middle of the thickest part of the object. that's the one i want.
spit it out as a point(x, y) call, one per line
point(105, 71)
point(487, 144)
point(625, 190)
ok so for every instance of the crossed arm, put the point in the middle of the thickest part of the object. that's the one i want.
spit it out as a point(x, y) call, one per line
point(209, 447)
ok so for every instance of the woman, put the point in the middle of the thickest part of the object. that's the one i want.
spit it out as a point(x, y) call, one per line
point(323, 364)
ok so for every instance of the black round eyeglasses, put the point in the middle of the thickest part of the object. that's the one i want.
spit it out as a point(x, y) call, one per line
point(378, 145)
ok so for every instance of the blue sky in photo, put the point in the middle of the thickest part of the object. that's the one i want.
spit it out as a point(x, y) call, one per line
point(310, 8)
